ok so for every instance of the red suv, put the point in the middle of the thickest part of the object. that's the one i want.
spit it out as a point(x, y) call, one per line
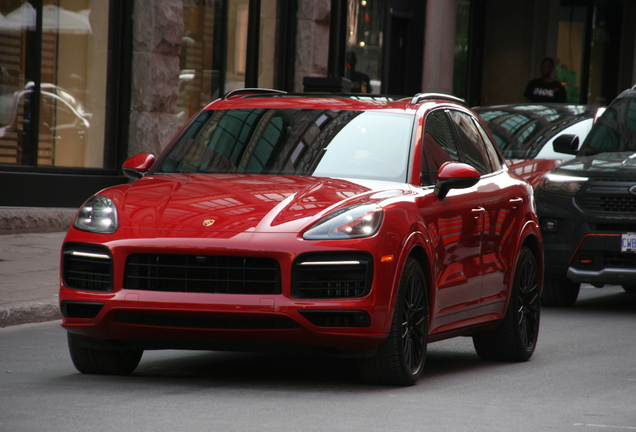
point(328, 224)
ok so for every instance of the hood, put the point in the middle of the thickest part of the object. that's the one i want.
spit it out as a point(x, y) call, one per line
point(532, 170)
point(238, 203)
point(614, 164)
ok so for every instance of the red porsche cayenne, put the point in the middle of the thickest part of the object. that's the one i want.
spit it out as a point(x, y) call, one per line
point(340, 225)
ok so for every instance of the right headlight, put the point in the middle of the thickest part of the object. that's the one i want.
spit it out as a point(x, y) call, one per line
point(561, 184)
point(356, 221)
point(98, 215)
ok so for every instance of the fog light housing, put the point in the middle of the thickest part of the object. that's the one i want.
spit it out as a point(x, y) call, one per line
point(549, 225)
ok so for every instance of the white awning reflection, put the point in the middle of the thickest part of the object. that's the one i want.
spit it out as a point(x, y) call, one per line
point(54, 18)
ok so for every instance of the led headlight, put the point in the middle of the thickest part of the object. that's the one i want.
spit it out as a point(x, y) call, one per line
point(97, 215)
point(560, 184)
point(351, 222)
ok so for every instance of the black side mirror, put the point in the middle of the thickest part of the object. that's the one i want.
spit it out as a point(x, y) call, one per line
point(568, 144)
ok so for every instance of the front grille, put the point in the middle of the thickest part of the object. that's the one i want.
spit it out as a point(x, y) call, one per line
point(87, 267)
point(608, 195)
point(614, 227)
point(608, 203)
point(203, 322)
point(332, 275)
point(203, 274)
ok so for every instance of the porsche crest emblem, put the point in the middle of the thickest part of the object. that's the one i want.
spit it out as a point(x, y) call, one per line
point(208, 222)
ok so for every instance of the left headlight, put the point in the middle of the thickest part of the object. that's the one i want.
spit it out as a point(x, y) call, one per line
point(97, 215)
point(362, 220)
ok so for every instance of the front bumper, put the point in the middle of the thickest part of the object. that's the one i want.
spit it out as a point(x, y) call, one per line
point(110, 307)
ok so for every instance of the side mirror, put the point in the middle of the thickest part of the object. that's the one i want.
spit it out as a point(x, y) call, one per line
point(137, 166)
point(455, 175)
point(568, 144)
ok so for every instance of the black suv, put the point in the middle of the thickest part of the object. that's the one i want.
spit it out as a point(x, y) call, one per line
point(587, 209)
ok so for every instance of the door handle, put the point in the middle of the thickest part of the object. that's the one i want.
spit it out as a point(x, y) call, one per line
point(477, 212)
point(515, 202)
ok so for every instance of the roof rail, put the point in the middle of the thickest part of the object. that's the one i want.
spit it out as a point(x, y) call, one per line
point(426, 96)
point(252, 91)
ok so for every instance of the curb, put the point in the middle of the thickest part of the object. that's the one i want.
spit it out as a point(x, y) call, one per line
point(21, 220)
point(29, 313)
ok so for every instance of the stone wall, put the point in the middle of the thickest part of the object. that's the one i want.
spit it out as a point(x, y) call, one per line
point(312, 40)
point(157, 32)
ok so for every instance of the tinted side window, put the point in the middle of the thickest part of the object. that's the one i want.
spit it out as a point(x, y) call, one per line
point(495, 160)
point(439, 146)
point(470, 142)
point(615, 131)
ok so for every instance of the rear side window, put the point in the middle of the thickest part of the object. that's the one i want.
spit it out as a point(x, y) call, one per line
point(470, 142)
point(439, 146)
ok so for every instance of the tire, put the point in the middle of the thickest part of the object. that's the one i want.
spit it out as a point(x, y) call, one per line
point(102, 361)
point(629, 288)
point(559, 292)
point(516, 336)
point(399, 360)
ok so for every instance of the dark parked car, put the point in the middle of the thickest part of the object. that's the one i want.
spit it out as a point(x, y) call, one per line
point(339, 225)
point(527, 134)
point(587, 208)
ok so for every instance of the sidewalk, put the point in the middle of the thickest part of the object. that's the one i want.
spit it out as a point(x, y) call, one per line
point(29, 277)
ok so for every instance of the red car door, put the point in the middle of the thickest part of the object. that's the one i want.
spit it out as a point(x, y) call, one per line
point(455, 228)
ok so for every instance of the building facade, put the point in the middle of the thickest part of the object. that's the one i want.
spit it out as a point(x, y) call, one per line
point(86, 83)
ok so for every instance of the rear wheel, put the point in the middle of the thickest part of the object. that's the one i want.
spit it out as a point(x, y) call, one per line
point(399, 360)
point(102, 361)
point(629, 288)
point(516, 337)
point(559, 292)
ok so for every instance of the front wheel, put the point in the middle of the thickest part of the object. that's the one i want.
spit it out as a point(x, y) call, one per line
point(102, 361)
point(516, 337)
point(559, 292)
point(399, 360)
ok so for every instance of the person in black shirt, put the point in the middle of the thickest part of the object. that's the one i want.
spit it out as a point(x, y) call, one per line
point(546, 88)
point(360, 82)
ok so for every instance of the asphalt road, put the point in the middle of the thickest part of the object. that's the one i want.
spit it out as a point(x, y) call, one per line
point(582, 378)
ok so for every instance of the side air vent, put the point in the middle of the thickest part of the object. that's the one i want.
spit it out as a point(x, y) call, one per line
point(339, 318)
point(76, 309)
point(331, 275)
point(87, 267)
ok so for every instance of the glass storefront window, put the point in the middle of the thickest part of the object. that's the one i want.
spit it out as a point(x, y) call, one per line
point(570, 50)
point(72, 82)
point(13, 91)
point(267, 44)
point(213, 52)
point(365, 32)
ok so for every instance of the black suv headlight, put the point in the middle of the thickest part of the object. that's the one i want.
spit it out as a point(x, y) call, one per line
point(561, 184)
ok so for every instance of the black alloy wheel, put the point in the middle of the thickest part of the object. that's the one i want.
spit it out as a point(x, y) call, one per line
point(399, 360)
point(515, 338)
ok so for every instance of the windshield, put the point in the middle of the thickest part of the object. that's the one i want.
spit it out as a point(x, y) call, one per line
point(615, 130)
point(327, 143)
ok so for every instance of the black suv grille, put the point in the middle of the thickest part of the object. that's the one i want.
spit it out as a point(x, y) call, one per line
point(203, 274)
point(87, 267)
point(608, 196)
point(332, 275)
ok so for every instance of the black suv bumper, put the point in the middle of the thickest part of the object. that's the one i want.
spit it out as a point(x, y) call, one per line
point(584, 245)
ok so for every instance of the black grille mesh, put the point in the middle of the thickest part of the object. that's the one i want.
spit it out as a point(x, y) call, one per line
point(203, 274)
